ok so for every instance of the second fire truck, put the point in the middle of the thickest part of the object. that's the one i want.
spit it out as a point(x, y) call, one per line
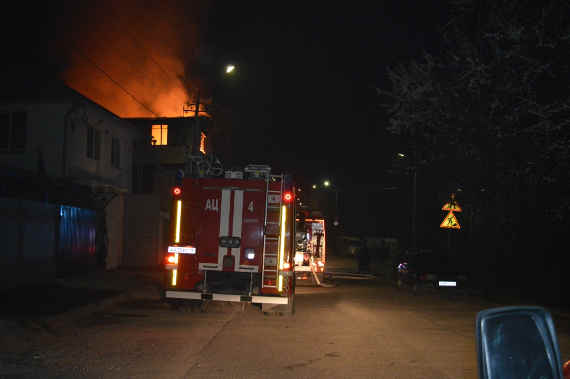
point(310, 254)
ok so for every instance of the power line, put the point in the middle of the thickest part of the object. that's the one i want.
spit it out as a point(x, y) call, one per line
point(140, 46)
point(116, 82)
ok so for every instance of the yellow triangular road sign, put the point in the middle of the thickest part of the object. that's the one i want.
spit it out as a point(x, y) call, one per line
point(450, 222)
point(451, 207)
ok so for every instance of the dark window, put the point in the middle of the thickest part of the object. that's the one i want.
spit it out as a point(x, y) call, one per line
point(90, 142)
point(13, 132)
point(116, 153)
point(97, 146)
point(93, 143)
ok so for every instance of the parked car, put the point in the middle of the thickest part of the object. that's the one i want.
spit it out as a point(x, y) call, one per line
point(429, 270)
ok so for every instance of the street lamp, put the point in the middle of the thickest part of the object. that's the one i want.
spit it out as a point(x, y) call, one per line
point(326, 183)
point(314, 186)
point(230, 68)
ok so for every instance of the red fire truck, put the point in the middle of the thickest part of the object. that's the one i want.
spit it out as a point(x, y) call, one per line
point(232, 240)
point(310, 254)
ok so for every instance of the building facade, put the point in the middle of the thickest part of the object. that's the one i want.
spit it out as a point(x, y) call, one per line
point(61, 150)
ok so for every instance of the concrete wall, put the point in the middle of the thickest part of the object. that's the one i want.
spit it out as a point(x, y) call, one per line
point(115, 222)
point(143, 228)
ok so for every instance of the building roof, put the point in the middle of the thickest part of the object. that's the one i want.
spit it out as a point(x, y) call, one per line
point(34, 89)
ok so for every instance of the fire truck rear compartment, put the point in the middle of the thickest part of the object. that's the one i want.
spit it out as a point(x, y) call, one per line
point(231, 282)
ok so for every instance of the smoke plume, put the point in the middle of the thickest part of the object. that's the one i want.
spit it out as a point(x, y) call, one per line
point(132, 57)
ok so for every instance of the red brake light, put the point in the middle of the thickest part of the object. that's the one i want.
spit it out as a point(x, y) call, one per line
point(287, 197)
point(177, 191)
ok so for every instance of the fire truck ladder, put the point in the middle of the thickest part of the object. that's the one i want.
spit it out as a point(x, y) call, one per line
point(271, 235)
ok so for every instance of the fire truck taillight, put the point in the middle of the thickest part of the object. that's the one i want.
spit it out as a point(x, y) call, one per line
point(171, 259)
point(176, 191)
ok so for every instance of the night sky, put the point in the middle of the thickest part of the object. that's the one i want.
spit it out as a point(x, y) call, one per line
point(310, 78)
point(303, 99)
point(310, 74)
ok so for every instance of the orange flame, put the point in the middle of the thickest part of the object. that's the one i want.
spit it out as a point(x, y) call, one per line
point(132, 59)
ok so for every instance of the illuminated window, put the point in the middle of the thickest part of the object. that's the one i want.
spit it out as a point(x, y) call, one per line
point(160, 135)
point(202, 143)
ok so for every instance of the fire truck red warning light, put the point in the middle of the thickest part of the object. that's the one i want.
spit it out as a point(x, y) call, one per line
point(177, 191)
point(287, 197)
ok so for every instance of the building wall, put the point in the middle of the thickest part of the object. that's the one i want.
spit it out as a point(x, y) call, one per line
point(46, 123)
point(115, 223)
point(109, 126)
point(143, 226)
point(59, 130)
point(44, 131)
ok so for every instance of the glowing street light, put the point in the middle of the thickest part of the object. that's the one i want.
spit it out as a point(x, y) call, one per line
point(230, 68)
point(314, 186)
point(326, 183)
point(401, 155)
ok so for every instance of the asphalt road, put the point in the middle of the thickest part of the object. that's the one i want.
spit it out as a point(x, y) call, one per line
point(358, 329)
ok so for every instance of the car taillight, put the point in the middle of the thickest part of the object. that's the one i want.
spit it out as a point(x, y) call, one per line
point(176, 191)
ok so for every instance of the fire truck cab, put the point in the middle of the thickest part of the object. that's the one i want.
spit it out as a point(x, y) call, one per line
point(310, 251)
point(232, 239)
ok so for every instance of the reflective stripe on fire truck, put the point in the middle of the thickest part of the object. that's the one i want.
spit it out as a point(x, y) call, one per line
point(224, 223)
point(237, 224)
point(282, 247)
point(178, 216)
point(192, 295)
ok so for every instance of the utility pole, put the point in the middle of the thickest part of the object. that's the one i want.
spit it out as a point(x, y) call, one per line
point(196, 134)
point(414, 205)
